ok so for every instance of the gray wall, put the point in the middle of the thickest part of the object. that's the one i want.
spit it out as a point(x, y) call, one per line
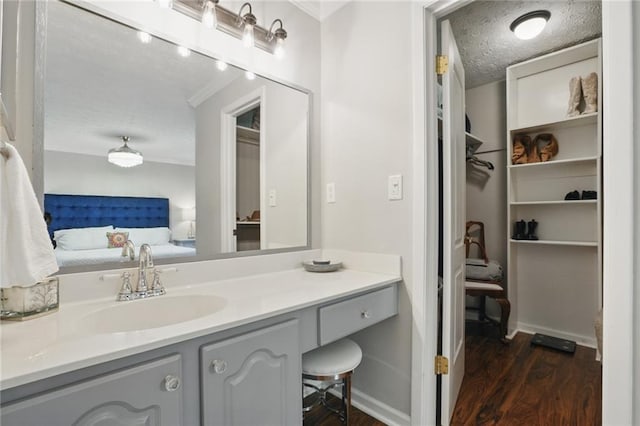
point(367, 136)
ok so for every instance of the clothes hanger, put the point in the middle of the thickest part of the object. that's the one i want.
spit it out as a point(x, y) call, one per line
point(4, 149)
point(475, 160)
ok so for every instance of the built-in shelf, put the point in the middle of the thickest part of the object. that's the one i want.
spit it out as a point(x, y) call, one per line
point(557, 243)
point(248, 135)
point(247, 222)
point(472, 142)
point(579, 120)
point(566, 162)
point(552, 203)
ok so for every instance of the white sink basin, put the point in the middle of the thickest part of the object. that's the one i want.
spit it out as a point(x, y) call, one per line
point(158, 311)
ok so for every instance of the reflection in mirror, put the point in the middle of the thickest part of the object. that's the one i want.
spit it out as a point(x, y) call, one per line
point(150, 142)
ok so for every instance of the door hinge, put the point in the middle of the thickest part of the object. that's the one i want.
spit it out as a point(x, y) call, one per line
point(442, 365)
point(442, 64)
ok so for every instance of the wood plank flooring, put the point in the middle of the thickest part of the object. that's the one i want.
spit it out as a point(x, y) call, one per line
point(520, 384)
point(321, 417)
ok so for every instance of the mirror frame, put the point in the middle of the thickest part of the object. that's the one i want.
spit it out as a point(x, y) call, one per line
point(39, 77)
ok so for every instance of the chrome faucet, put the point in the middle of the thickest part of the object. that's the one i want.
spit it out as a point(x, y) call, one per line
point(146, 261)
point(142, 289)
point(129, 250)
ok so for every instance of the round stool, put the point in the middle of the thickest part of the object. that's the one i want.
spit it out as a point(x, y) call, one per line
point(333, 365)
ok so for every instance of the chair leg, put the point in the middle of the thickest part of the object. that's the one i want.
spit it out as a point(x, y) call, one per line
point(505, 308)
point(346, 398)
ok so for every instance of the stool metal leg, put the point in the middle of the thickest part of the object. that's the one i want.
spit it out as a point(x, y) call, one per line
point(346, 398)
point(343, 380)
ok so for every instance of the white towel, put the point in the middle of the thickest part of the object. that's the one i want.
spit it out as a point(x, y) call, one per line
point(26, 252)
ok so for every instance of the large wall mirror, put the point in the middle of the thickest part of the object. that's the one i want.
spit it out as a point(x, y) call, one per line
point(224, 152)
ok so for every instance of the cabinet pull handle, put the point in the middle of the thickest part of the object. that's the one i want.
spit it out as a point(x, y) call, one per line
point(219, 366)
point(365, 314)
point(171, 383)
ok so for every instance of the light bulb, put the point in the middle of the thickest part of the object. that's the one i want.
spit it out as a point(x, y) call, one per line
point(249, 75)
point(209, 18)
point(221, 65)
point(530, 29)
point(279, 50)
point(183, 51)
point(247, 36)
point(165, 4)
point(144, 37)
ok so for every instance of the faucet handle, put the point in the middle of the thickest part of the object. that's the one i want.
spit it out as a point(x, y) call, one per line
point(156, 285)
point(126, 290)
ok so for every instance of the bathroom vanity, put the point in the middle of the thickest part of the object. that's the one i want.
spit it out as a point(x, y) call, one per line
point(237, 364)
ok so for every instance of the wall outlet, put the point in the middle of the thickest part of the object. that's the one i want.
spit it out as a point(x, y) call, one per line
point(272, 198)
point(331, 192)
point(394, 189)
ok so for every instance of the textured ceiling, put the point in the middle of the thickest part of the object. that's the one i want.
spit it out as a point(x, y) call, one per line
point(487, 46)
point(102, 83)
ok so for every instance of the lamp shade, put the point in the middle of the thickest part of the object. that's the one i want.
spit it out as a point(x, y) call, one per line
point(125, 156)
point(189, 214)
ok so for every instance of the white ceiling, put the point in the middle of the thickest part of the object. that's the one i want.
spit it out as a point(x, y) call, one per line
point(487, 46)
point(319, 9)
point(103, 83)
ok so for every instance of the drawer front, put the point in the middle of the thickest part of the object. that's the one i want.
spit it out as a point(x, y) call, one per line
point(343, 318)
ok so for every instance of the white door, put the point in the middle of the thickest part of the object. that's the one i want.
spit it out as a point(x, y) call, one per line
point(454, 177)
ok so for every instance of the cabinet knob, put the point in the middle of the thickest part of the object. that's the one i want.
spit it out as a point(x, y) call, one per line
point(219, 366)
point(365, 314)
point(171, 383)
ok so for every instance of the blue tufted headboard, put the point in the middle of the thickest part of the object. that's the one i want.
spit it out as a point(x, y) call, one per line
point(82, 211)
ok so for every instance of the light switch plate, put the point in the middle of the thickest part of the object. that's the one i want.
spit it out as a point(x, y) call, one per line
point(395, 187)
point(331, 192)
point(272, 198)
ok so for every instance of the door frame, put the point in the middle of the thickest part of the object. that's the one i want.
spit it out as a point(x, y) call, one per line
point(620, 389)
point(228, 123)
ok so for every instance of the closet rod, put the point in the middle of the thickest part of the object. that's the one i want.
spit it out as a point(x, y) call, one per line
point(490, 151)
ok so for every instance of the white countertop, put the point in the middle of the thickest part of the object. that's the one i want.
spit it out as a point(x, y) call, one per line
point(59, 342)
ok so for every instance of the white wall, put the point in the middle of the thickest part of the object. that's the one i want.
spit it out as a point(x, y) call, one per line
point(68, 173)
point(283, 119)
point(367, 136)
point(487, 189)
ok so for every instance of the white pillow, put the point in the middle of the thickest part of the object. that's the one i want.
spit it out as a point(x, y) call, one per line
point(151, 236)
point(82, 238)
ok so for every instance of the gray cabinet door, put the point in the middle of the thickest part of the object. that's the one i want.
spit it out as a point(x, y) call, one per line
point(253, 379)
point(146, 395)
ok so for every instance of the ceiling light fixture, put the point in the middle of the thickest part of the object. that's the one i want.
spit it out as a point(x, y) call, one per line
point(249, 75)
point(221, 65)
point(530, 24)
point(279, 35)
point(144, 37)
point(242, 25)
point(209, 18)
point(125, 156)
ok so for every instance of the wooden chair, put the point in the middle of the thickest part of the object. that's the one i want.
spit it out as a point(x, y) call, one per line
point(485, 283)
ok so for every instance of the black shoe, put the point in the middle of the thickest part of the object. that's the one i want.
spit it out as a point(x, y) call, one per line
point(531, 230)
point(520, 230)
point(589, 195)
point(573, 195)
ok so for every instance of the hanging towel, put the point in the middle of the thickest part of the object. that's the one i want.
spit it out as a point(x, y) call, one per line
point(26, 252)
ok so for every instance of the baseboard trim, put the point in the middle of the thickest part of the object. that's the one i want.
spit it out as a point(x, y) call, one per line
point(375, 408)
point(587, 341)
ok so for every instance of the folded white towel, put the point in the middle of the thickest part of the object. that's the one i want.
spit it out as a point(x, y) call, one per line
point(26, 252)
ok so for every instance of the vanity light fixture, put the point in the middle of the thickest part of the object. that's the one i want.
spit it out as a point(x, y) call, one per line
point(240, 25)
point(279, 35)
point(247, 21)
point(183, 51)
point(209, 18)
point(125, 156)
point(530, 24)
point(221, 65)
point(249, 75)
point(144, 37)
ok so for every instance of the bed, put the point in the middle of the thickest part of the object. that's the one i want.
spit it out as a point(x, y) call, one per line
point(90, 229)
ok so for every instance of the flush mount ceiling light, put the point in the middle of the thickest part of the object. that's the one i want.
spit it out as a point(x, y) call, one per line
point(530, 24)
point(144, 37)
point(124, 156)
point(240, 25)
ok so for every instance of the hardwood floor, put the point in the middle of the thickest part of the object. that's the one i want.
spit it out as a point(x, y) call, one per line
point(321, 417)
point(520, 384)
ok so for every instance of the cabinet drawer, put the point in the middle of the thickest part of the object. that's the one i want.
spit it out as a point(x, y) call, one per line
point(343, 318)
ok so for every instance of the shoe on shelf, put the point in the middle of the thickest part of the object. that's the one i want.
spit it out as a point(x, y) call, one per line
point(589, 195)
point(575, 96)
point(573, 195)
point(550, 148)
point(531, 230)
point(520, 230)
point(520, 147)
point(590, 92)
